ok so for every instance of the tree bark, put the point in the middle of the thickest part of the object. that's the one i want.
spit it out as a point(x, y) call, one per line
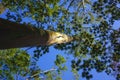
point(15, 35)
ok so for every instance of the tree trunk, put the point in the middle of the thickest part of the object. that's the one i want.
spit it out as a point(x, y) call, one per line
point(14, 35)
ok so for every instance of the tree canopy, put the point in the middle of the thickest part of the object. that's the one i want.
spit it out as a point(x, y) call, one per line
point(92, 22)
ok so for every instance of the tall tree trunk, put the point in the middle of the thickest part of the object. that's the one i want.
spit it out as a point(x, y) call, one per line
point(14, 35)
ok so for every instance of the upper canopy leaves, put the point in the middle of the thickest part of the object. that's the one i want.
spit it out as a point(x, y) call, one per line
point(90, 20)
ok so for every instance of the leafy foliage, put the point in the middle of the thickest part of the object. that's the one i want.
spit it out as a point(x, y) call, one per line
point(13, 62)
point(90, 20)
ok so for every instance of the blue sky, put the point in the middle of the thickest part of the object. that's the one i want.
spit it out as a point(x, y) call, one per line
point(46, 62)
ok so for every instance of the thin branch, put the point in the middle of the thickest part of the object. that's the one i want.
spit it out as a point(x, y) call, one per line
point(70, 4)
point(28, 48)
point(83, 2)
point(48, 71)
point(43, 72)
point(64, 2)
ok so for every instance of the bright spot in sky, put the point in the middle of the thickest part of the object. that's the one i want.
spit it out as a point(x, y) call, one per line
point(116, 24)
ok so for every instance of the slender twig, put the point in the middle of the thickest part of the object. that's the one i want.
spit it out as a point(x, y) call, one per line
point(48, 71)
point(70, 4)
point(43, 72)
point(64, 2)
point(83, 4)
point(28, 48)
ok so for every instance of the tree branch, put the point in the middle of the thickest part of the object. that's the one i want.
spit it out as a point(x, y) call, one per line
point(15, 35)
point(53, 69)
point(70, 4)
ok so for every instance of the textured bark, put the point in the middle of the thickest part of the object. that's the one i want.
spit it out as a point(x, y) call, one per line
point(14, 35)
